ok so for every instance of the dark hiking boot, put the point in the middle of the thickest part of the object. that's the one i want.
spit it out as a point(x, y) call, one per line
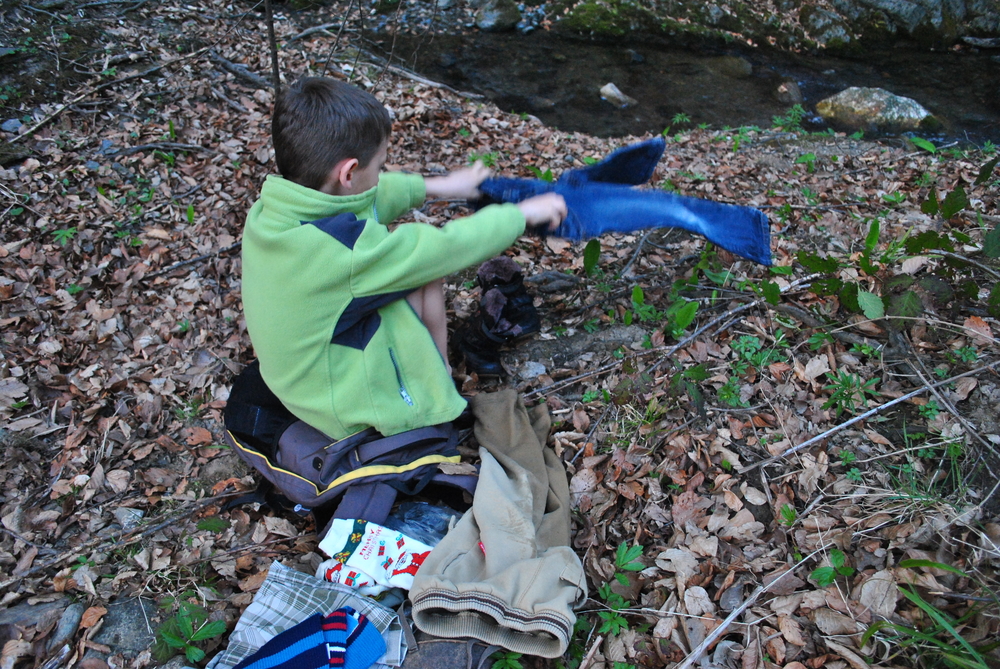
point(480, 350)
point(508, 310)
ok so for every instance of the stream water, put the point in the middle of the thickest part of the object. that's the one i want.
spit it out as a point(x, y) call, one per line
point(557, 79)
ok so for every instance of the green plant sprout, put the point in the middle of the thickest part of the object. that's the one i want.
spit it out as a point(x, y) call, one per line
point(183, 632)
point(788, 515)
point(63, 236)
point(508, 660)
point(790, 121)
point(809, 160)
point(825, 576)
point(848, 391)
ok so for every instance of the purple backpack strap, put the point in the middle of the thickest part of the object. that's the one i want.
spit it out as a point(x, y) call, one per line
point(376, 448)
point(368, 501)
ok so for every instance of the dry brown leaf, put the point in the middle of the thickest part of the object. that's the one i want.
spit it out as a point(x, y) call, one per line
point(791, 630)
point(92, 616)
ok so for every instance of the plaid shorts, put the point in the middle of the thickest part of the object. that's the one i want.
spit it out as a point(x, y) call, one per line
point(286, 598)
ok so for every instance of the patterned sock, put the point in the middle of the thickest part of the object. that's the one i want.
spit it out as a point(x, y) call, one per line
point(300, 647)
point(351, 631)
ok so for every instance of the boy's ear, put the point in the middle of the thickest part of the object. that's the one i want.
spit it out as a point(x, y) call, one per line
point(341, 177)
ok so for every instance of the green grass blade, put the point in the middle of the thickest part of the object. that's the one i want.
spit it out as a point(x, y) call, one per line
point(939, 618)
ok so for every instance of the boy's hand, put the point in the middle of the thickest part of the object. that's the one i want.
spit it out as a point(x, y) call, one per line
point(546, 209)
point(461, 184)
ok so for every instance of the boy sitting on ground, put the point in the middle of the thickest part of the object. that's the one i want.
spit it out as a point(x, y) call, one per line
point(324, 280)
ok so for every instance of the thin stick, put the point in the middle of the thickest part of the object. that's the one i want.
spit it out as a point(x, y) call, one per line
point(191, 261)
point(108, 84)
point(160, 146)
point(635, 256)
point(696, 654)
point(867, 414)
point(589, 659)
point(275, 68)
point(947, 254)
point(121, 541)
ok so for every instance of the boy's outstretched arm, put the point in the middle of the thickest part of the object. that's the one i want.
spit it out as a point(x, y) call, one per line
point(461, 184)
point(547, 209)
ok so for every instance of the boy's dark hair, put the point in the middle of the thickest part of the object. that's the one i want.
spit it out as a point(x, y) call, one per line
point(318, 122)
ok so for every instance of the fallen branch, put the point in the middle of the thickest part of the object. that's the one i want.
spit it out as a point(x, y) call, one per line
point(948, 254)
point(312, 31)
point(868, 414)
point(118, 542)
point(668, 351)
point(159, 146)
point(239, 71)
point(696, 654)
point(96, 89)
point(635, 255)
point(191, 261)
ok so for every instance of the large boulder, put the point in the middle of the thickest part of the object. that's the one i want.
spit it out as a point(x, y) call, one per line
point(498, 16)
point(876, 110)
point(843, 25)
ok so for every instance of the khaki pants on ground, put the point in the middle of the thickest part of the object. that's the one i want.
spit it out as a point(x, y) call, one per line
point(505, 574)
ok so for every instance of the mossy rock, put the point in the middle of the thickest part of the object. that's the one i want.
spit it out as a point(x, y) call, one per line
point(609, 18)
point(12, 153)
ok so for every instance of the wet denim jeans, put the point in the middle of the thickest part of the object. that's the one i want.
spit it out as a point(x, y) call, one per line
point(600, 198)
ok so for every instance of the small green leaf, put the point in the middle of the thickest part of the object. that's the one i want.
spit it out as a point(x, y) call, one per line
point(770, 291)
point(871, 305)
point(209, 630)
point(872, 238)
point(824, 576)
point(696, 373)
point(638, 297)
point(778, 269)
point(922, 143)
point(930, 206)
point(190, 213)
point(682, 313)
point(591, 255)
point(954, 202)
point(815, 263)
point(905, 305)
point(194, 654)
point(993, 302)
point(172, 640)
point(837, 558)
point(986, 171)
point(991, 243)
point(213, 524)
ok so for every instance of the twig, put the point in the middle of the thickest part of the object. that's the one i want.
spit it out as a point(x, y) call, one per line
point(947, 254)
point(593, 429)
point(696, 654)
point(108, 84)
point(813, 322)
point(160, 146)
point(867, 414)
point(191, 261)
point(121, 541)
point(311, 31)
point(635, 255)
point(239, 71)
point(589, 659)
point(669, 350)
point(273, 44)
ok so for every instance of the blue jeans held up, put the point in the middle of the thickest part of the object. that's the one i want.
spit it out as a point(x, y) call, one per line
point(600, 199)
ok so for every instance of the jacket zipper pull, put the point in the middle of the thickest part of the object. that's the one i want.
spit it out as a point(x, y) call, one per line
point(399, 379)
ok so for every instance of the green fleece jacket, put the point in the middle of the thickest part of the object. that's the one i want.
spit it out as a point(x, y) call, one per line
point(323, 287)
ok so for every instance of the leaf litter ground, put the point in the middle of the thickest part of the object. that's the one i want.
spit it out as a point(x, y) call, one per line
point(708, 514)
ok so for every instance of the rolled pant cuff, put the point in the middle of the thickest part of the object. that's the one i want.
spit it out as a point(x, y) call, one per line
point(482, 616)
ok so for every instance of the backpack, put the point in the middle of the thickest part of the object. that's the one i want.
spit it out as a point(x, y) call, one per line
point(365, 471)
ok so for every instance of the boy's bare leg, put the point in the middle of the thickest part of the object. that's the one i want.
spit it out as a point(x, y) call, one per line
point(428, 302)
